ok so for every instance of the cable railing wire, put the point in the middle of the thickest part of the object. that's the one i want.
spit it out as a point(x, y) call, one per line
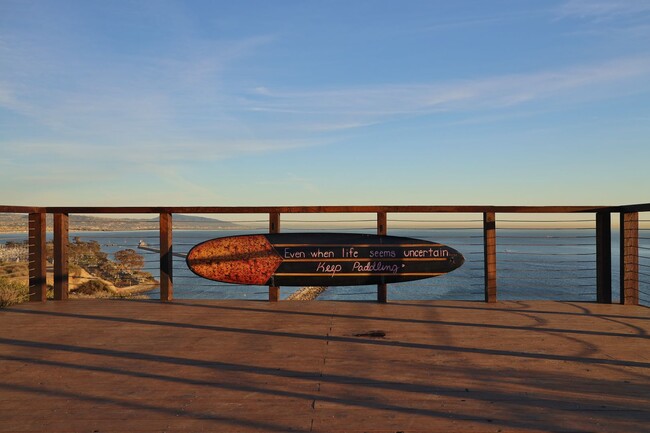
point(554, 263)
point(103, 234)
point(450, 237)
point(465, 244)
point(544, 254)
point(328, 229)
point(499, 225)
point(435, 227)
point(501, 236)
point(546, 269)
point(508, 277)
point(434, 220)
point(328, 221)
point(507, 244)
point(437, 287)
point(245, 221)
point(227, 286)
point(546, 221)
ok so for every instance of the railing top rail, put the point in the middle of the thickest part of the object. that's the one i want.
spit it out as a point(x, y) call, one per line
point(645, 207)
point(330, 209)
point(21, 209)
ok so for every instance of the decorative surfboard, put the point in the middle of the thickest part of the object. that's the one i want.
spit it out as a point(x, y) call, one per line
point(320, 259)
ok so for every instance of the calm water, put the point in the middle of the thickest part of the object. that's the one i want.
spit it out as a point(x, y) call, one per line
point(531, 264)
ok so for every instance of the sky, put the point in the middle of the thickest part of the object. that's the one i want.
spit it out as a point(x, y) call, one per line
point(261, 103)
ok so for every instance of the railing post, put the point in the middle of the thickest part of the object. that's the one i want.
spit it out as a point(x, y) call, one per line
point(490, 256)
point(166, 258)
point(274, 227)
point(61, 256)
point(603, 258)
point(382, 229)
point(37, 258)
point(630, 258)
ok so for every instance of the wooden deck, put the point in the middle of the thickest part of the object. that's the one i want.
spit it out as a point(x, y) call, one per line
point(229, 366)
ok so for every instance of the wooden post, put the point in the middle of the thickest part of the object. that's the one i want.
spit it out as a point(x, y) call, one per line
point(490, 256)
point(603, 258)
point(166, 258)
point(630, 258)
point(37, 258)
point(274, 227)
point(61, 256)
point(382, 229)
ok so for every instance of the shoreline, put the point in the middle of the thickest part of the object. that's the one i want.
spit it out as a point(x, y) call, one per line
point(50, 230)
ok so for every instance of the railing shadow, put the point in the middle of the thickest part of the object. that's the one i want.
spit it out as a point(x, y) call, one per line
point(346, 339)
point(639, 332)
point(620, 403)
point(524, 309)
point(485, 394)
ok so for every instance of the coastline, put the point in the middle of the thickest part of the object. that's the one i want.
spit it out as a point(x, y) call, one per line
point(147, 229)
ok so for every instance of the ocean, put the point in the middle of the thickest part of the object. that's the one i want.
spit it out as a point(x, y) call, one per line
point(532, 264)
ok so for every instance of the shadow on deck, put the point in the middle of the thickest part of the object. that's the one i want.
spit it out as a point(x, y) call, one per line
point(146, 366)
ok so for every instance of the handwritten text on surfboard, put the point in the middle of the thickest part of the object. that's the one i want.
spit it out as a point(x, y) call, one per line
point(374, 259)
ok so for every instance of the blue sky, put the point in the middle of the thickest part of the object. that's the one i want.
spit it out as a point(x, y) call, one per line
point(324, 102)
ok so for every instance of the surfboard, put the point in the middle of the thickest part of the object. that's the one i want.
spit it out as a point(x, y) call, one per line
point(320, 259)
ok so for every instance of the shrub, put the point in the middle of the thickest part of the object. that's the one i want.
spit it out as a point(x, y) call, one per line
point(12, 292)
point(14, 269)
point(129, 259)
point(86, 254)
point(92, 287)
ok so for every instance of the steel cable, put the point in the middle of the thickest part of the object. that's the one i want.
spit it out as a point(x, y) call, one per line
point(545, 228)
point(546, 221)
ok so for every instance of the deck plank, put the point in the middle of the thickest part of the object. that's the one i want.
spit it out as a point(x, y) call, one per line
point(242, 366)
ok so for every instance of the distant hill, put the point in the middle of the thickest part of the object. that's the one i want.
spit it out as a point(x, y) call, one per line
point(18, 223)
point(194, 219)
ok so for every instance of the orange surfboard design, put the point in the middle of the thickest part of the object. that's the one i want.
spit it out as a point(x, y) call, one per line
point(239, 259)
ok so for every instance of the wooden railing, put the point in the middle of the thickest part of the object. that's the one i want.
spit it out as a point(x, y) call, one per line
point(629, 240)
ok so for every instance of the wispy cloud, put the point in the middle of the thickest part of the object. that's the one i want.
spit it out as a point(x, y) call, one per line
point(603, 9)
point(128, 91)
point(186, 102)
point(103, 92)
point(129, 154)
point(361, 106)
point(468, 21)
point(149, 125)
